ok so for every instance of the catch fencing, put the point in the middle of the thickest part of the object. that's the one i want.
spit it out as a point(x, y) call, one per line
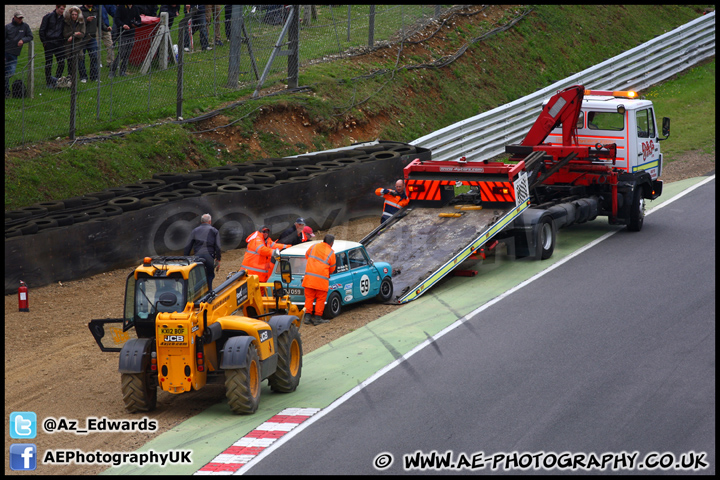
point(261, 45)
point(484, 136)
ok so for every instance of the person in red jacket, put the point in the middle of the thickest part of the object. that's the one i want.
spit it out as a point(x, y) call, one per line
point(259, 251)
point(394, 199)
point(320, 264)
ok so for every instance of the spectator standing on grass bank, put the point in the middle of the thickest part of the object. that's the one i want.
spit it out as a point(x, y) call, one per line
point(107, 39)
point(148, 10)
point(90, 13)
point(197, 22)
point(205, 243)
point(212, 17)
point(74, 34)
point(17, 34)
point(228, 19)
point(127, 18)
point(172, 11)
point(51, 36)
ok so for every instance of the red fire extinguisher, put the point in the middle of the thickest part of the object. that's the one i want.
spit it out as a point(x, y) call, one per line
point(23, 297)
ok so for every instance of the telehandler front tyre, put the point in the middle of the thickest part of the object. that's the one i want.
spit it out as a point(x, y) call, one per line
point(139, 392)
point(289, 368)
point(242, 385)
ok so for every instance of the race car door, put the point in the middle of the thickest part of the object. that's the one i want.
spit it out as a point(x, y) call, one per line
point(341, 280)
point(359, 266)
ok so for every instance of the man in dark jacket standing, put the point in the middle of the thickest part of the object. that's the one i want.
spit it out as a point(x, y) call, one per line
point(294, 234)
point(205, 242)
point(127, 17)
point(51, 36)
point(90, 12)
point(17, 34)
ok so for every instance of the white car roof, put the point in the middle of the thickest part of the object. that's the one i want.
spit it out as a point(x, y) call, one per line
point(338, 246)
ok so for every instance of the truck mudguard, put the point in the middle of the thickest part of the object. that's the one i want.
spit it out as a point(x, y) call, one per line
point(135, 355)
point(235, 352)
point(280, 323)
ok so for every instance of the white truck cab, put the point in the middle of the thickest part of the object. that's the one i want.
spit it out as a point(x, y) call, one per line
point(621, 117)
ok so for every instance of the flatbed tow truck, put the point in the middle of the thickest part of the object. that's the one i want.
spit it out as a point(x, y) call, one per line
point(602, 158)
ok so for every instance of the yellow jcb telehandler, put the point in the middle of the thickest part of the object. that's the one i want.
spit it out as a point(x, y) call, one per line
point(188, 336)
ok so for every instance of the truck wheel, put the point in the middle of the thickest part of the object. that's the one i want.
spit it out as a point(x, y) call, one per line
point(333, 306)
point(139, 392)
point(637, 211)
point(242, 385)
point(287, 375)
point(386, 290)
point(545, 241)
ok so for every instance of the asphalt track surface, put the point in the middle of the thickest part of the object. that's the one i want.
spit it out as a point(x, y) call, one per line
point(609, 349)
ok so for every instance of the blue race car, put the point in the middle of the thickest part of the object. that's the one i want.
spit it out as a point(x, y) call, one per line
point(356, 277)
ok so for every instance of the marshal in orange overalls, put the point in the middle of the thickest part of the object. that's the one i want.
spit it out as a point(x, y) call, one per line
point(320, 264)
point(259, 251)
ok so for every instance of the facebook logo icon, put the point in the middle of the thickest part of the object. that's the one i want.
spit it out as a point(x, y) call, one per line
point(23, 425)
point(23, 456)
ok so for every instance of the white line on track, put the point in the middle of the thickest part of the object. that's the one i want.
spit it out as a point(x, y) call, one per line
point(446, 330)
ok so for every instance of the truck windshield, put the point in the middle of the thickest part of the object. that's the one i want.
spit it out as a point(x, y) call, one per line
point(148, 293)
point(606, 121)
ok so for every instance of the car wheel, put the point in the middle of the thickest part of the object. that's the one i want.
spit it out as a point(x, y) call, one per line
point(386, 290)
point(333, 306)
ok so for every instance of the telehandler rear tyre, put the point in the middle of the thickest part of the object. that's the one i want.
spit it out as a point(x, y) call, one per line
point(289, 368)
point(139, 393)
point(242, 385)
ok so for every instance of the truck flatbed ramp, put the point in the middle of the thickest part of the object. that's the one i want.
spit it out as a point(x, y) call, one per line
point(425, 246)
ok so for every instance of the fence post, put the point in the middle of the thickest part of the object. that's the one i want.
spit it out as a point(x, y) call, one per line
point(349, 14)
point(438, 10)
point(31, 70)
point(181, 64)
point(98, 39)
point(294, 47)
point(371, 27)
point(235, 46)
point(163, 53)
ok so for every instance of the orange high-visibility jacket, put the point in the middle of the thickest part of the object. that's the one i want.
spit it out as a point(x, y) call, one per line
point(393, 203)
point(257, 258)
point(320, 264)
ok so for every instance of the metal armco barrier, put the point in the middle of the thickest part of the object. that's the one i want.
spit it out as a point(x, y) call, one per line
point(85, 249)
point(484, 136)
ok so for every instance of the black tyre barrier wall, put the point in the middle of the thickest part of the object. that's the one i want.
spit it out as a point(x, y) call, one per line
point(112, 210)
point(119, 235)
point(203, 185)
point(226, 170)
point(280, 173)
point(243, 168)
point(126, 203)
point(261, 177)
point(232, 188)
point(240, 179)
point(280, 162)
point(208, 173)
point(50, 206)
point(168, 178)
